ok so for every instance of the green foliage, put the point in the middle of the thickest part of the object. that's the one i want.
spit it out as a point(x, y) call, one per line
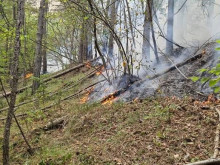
point(194, 78)
point(214, 76)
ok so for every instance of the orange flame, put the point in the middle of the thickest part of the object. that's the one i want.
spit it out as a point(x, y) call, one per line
point(136, 100)
point(86, 97)
point(109, 100)
point(99, 72)
point(88, 65)
point(211, 99)
point(28, 75)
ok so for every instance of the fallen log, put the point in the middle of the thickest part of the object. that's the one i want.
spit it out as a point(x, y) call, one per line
point(57, 123)
point(16, 106)
point(64, 99)
point(67, 71)
point(174, 67)
point(50, 78)
point(178, 65)
point(19, 115)
point(91, 74)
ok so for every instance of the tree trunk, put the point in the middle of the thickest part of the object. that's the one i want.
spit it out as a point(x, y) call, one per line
point(13, 84)
point(83, 45)
point(170, 22)
point(44, 51)
point(113, 17)
point(151, 6)
point(89, 40)
point(38, 53)
point(146, 35)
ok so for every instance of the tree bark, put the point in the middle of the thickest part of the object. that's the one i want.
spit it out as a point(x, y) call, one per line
point(146, 35)
point(13, 84)
point(83, 45)
point(151, 6)
point(170, 23)
point(39, 41)
point(44, 51)
point(113, 17)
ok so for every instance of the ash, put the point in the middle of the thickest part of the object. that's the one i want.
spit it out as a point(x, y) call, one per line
point(171, 83)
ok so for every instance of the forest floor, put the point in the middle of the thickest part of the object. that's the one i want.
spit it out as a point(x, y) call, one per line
point(160, 131)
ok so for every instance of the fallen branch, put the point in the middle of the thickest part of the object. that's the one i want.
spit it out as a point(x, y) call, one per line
point(51, 78)
point(71, 96)
point(177, 68)
point(206, 162)
point(66, 98)
point(16, 106)
point(216, 149)
point(177, 65)
point(17, 116)
point(91, 74)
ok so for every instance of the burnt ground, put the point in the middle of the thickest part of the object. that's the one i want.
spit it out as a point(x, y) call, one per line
point(173, 83)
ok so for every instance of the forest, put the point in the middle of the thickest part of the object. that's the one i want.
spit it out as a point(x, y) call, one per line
point(110, 82)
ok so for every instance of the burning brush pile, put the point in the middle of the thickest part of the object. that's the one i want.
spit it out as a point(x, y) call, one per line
point(169, 78)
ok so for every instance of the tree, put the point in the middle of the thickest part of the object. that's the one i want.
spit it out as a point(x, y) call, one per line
point(146, 35)
point(149, 29)
point(44, 51)
point(83, 45)
point(170, 22)
point(113, 18)
point(13, 83)
point(39, 42)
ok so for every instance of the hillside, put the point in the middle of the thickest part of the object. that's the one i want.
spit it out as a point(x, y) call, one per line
point(110, 82)
point(150, 131)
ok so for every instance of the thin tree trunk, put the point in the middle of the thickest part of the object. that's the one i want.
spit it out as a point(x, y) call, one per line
point(146, 35)
point(23, 55)
point(38, 53)
point(13, 84)
point(113, 17)
point(44, 51)
point(170, 22)
point(130, 22)
point(81, 44)
point(150, 6)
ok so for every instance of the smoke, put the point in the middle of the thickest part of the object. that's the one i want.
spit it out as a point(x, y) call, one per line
point(197, 21)
point(194, 24)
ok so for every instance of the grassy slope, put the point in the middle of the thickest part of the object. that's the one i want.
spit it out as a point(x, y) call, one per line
point(153, 131)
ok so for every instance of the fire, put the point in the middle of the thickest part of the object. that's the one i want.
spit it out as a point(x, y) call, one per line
point(98, 73)
point(136, 99)
point(211, 99)
point(88, 65)
point(100, 70)
point(86, 97)
point(28, 75)
point(109, 100)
